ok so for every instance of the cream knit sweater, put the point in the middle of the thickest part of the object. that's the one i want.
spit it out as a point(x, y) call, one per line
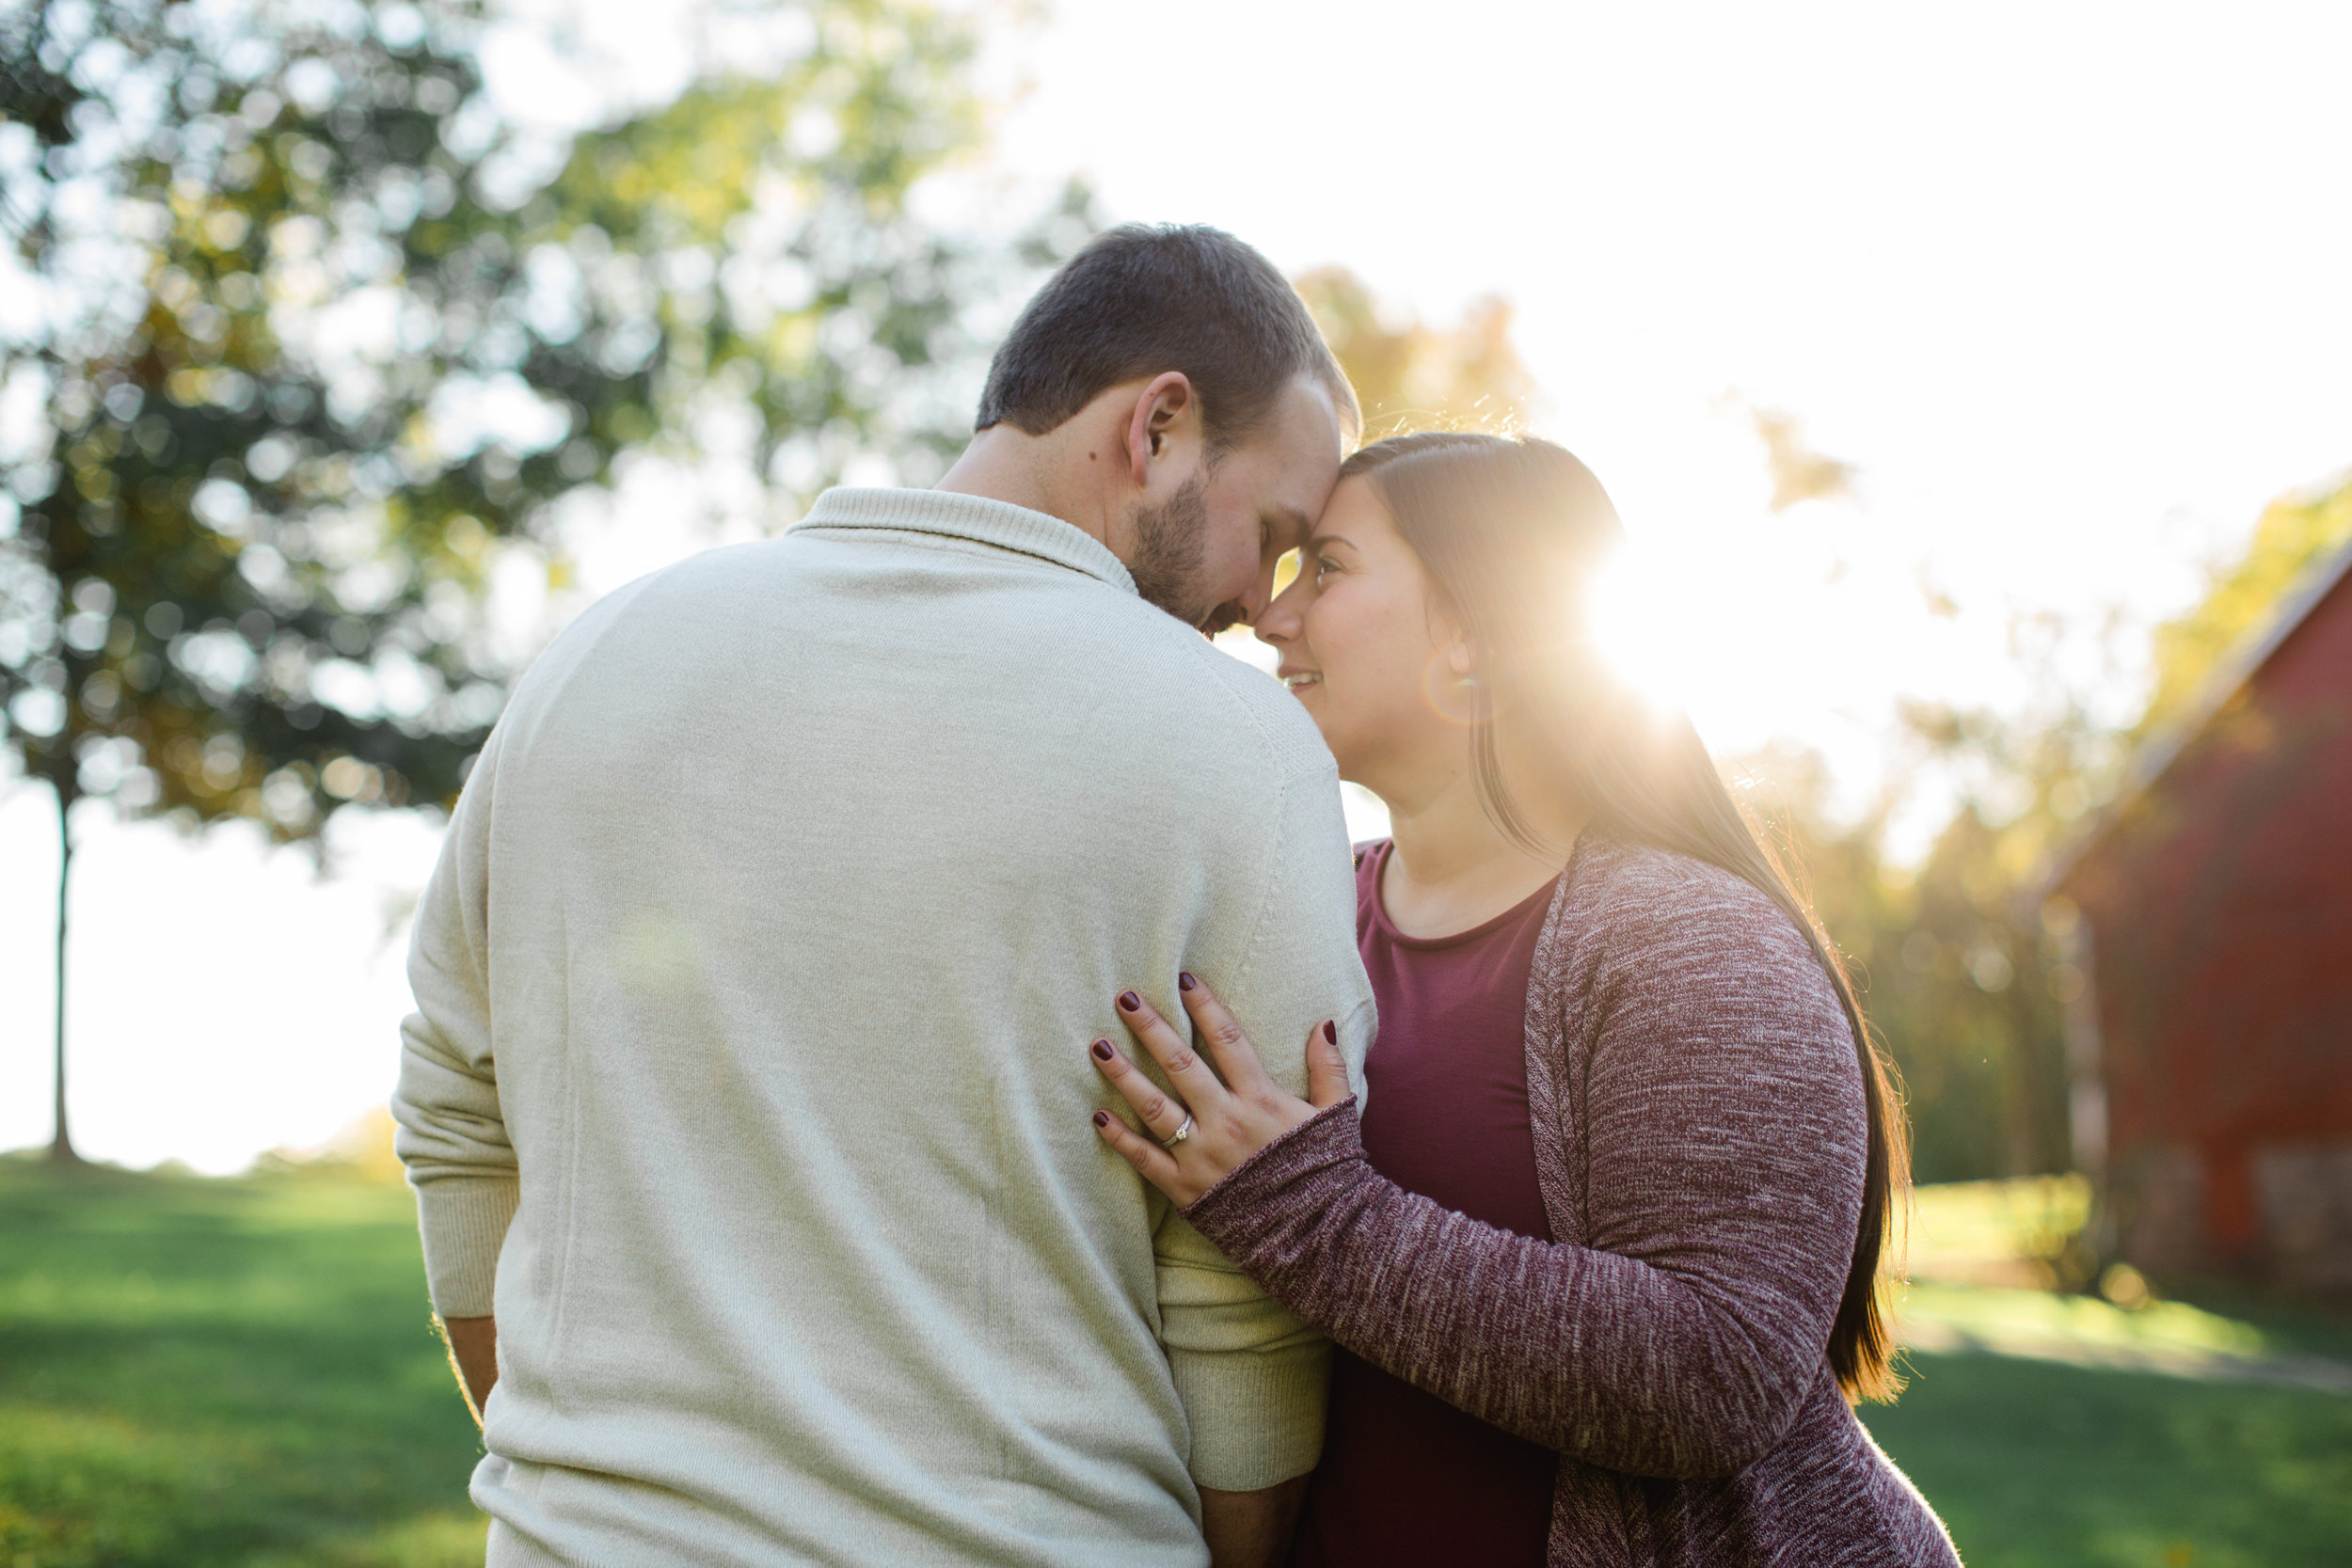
point(748, 1079)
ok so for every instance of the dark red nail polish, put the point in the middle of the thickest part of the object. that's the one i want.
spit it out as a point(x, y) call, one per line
point(1103, 1049)
point(1130, 1001)
point(1330, 1032)
point(1184, 982)
point(1102, 1119)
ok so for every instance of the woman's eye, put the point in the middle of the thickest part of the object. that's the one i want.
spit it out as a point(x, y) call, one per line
point(1324, 568)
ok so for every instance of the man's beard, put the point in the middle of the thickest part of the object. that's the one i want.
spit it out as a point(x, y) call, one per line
point(1171, 540)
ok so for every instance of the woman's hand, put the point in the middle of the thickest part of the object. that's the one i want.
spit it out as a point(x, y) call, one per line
point(1223, 1121)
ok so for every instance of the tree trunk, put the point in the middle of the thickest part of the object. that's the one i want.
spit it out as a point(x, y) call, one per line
point(61, 1147)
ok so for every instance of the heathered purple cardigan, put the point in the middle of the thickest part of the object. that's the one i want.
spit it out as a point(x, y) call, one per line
point(1699, 1140)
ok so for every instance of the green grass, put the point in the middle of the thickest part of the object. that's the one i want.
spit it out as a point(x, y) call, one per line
point(2033, 1461)
point(202, 1372)
point(2035, 1464)
point(2007, 1232)
point(2082, 1327)
point(198, 1372)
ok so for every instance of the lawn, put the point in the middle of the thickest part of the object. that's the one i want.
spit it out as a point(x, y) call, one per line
point(196, 1372)
point(2034, 1462)
point(213, 1372)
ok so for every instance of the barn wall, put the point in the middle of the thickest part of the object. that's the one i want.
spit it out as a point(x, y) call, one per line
point(2220, 904)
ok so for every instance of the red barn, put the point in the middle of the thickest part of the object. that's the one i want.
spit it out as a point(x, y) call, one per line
point(2210, 1049)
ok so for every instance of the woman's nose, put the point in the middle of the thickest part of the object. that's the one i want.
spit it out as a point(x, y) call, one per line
point(1280, 623)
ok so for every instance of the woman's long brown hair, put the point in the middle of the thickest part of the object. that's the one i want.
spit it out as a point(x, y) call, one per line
point(1511, 530)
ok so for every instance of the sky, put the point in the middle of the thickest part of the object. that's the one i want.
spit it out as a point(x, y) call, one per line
point(2064, 285)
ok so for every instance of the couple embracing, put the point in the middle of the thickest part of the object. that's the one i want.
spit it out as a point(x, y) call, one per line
point(895, 1080)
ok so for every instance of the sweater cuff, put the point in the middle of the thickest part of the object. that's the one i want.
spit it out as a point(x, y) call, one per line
point(464, 1223)
point(1231, 1213)
point(1257, 1418)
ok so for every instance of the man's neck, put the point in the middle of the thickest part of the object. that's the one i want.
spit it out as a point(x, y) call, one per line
point(1008, 463)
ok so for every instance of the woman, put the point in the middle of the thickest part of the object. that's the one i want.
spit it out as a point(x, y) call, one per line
point(1602, 1251)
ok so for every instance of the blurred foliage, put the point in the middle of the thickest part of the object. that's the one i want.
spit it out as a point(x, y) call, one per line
point(2026, 1231)
point(362, 1151)
point(322, 339)
point(317, 342)
point(1965, 970)
point(1967, 1000)
point(1799, 472)
point(1411, 376)
point(2295, 533)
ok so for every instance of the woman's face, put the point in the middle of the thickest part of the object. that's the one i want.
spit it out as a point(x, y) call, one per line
point(1377, 665)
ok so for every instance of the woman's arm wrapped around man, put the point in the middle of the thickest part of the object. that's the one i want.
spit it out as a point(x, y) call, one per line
point(1713, 1117)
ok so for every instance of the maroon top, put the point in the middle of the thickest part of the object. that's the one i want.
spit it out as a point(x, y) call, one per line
point(1408, 1479)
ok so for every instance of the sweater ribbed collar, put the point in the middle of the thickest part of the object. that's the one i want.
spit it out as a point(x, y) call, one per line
point(975, 517)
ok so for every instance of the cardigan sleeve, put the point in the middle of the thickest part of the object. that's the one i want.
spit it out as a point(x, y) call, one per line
point(1722, 1123)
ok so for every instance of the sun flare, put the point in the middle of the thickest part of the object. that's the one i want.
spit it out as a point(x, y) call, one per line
point(1640, 619)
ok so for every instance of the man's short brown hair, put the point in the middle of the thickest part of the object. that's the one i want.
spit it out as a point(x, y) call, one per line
point(1139, 301)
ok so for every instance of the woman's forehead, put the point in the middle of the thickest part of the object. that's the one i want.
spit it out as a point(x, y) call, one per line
point(1353, 515)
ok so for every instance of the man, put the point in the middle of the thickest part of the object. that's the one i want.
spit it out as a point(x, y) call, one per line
point(747, 1099)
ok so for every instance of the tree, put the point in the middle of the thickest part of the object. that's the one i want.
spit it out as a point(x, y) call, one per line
point(1411, 376)
point(2294, 533)
point(1968, 995)
point(322, 339)
point(1961, 977)
point(1799, 472)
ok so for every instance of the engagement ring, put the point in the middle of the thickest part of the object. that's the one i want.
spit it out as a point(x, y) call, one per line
point(1179, 1135)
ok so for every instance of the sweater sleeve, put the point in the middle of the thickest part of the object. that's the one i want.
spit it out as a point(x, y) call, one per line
point(1721, 1118)
point(1254, 1379)
point(451, 1134)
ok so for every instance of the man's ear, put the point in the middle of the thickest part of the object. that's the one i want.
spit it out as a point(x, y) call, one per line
point(1164, 409)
